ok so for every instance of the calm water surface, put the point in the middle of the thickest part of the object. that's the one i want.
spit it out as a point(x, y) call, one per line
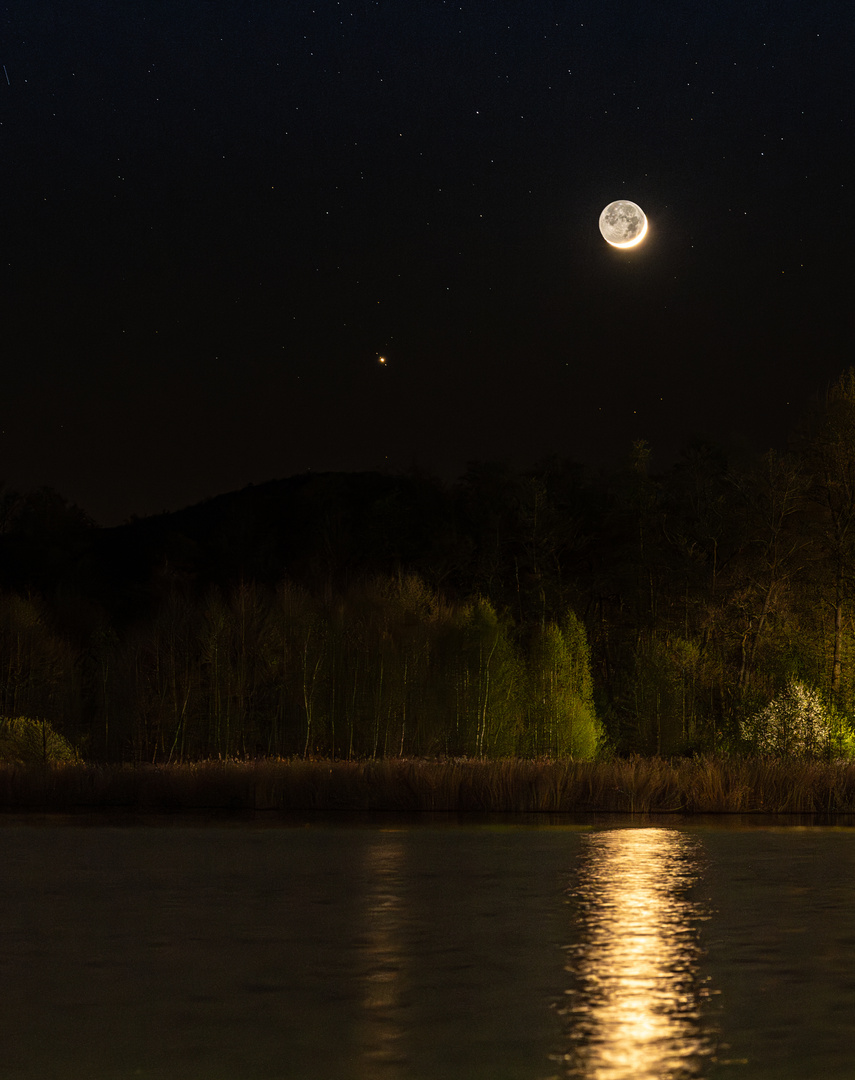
point(427, 951)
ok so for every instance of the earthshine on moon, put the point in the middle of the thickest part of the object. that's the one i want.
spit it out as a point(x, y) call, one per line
point(623, 224)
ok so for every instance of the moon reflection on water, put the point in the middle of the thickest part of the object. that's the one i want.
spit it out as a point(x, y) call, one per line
point(633, 1011)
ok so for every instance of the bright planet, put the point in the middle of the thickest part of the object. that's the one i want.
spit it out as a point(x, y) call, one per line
point(623, 224)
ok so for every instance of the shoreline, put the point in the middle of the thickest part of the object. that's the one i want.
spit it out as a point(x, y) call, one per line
point(632, 786)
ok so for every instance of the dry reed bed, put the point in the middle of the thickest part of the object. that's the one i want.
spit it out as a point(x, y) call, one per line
point(636, 785)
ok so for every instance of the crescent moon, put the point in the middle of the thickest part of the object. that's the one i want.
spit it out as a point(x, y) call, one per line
point(623, 224)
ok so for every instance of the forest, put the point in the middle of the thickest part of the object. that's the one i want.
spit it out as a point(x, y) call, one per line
point(541, 613)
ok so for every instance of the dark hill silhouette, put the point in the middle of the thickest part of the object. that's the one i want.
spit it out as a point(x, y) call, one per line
point(309, 528)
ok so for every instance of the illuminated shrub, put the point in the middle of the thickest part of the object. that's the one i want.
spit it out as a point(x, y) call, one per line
point(27, 741)
point(796, 723)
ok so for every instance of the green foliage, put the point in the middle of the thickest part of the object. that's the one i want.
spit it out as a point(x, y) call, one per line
point(660, 704)
point(561, 720)
point(797, 723)
point(485, 683)
point(27, 741)
point(387, 666)
point(841, 742)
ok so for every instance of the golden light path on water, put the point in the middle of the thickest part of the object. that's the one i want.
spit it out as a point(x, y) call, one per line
point(634, 1008)
point(382, 1035)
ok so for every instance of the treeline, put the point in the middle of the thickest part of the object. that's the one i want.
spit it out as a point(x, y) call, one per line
point(370, 615)
point(388, 667)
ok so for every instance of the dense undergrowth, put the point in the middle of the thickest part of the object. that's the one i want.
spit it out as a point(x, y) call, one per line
point(633, 786)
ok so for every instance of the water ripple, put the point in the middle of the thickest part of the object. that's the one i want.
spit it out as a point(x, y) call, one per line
point(633, 1007)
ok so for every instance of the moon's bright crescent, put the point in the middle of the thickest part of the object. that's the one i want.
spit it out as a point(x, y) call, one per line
point(623, 224)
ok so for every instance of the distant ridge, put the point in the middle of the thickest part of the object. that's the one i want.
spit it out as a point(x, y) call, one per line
point(328, 524)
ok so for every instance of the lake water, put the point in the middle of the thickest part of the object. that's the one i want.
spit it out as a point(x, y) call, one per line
point(427, 949)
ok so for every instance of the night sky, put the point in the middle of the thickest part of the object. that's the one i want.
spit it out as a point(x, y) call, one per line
point(218, 215)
